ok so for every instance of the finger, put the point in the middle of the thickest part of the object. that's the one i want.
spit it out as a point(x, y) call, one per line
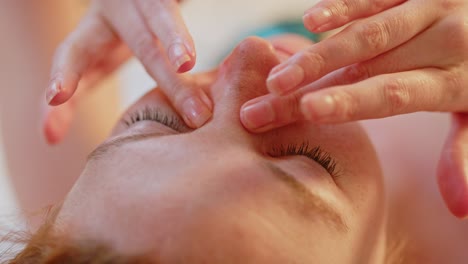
point(86, 45)
point(193, 104)
point(452, 174)
point(165, 21)
point(57, 121)
point(414, 54)
point(384, 95)
point(410, 56)
point(359, 42)
point(331, 14)
point(270, 111)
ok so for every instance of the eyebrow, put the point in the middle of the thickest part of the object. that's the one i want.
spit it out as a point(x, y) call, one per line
point(308, 204)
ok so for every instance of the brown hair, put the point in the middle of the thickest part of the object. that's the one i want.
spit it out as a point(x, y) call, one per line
point(46, 248)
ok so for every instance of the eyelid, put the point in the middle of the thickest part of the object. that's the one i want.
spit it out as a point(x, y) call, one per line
point(158, 115)
point(316, 154)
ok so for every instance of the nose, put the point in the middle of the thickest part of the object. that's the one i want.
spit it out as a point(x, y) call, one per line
point(242, 75)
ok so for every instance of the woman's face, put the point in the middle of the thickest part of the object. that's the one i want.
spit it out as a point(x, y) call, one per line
point(219, 194)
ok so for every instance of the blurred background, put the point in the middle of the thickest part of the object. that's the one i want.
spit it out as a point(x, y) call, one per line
point(34, 175)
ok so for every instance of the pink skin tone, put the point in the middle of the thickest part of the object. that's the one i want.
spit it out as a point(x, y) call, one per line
point(384, 63)
point(107, 36)
point(205, 196)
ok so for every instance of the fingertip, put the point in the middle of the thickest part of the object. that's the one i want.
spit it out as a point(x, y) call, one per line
point(454, 189)
point(60, 90)
point(187, 66)
point(452, 174)
point(51, 130)
point(316, 19)
point(257, 116)
point(56, 123)
point(196, 111)
point(181, 57)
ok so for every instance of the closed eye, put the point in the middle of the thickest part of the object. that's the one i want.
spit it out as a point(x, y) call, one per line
point(316, 154)
point(156, 115)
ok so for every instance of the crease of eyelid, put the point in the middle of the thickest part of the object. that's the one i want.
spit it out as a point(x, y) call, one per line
point(309, 203)
point(116, 142)
point(155, 114)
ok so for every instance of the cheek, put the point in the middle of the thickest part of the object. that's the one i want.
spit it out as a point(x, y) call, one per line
point(239, 234)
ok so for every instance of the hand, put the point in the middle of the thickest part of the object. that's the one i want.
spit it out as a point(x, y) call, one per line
point(153, 30)
point(394, 57)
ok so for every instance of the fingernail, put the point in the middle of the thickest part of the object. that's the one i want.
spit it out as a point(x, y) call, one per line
point(318, 107)
point(52, 91)
point(286, 79)
point(258, 115)
point(196, 112)
point(178, 55)
point(317, 17)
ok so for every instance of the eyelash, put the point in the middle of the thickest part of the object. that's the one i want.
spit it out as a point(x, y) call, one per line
point(314, 153)
point(155, 115)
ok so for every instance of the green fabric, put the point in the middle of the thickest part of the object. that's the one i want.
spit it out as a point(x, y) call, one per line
point(295, 27)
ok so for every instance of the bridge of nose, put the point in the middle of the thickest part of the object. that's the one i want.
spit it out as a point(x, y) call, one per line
point(241, 77)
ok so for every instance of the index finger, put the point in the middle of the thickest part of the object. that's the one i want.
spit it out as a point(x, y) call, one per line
point(165, 21)
point(193, 104)
point(359, 42)
point(331, 14)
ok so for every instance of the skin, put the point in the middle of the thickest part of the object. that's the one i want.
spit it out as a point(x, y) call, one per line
point(393, 57)
point(107, 36)
point(217, 201)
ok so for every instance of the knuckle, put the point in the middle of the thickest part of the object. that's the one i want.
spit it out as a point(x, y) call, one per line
point(450, 5)
point(396, 96)
point(356, 72)
point(456, 28)
point(145, 48)
point(177, 93)
point(287, 109)
point(316, 64)
point(453, 87)
point(347, 104)
point(341, 8)
point(293, 104)
point(378, 5)
point(374, 36)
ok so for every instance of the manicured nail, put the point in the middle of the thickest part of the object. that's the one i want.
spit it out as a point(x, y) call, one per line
point(178, 55)
point(286, 79)
point(317, 18)
point(196, 112)
point(52, 91)
point(318, 107)
point(257, 115)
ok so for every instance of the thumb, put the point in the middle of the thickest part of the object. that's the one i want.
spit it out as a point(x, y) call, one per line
point(453, 167)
